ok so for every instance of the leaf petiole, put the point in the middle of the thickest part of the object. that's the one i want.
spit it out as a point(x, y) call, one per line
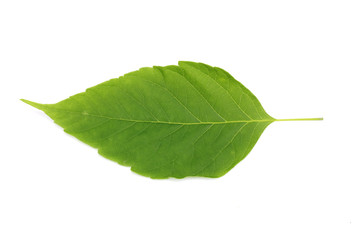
point(301, 119)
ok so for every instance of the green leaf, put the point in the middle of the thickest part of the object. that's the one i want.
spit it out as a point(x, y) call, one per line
point(173, 121)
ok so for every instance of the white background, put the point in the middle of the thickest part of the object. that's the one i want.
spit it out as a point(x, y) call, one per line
point(295, 56)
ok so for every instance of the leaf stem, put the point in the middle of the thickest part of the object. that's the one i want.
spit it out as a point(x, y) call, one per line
point(300, 119)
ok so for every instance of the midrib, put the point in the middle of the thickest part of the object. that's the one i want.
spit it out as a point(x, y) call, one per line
point(176, 123)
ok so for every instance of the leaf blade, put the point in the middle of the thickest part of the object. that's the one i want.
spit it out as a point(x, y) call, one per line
point(173, 121)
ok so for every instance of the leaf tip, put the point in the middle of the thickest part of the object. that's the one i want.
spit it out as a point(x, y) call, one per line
point(33, 104)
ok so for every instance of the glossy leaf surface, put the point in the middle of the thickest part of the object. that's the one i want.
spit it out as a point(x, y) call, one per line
point(173, 121)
